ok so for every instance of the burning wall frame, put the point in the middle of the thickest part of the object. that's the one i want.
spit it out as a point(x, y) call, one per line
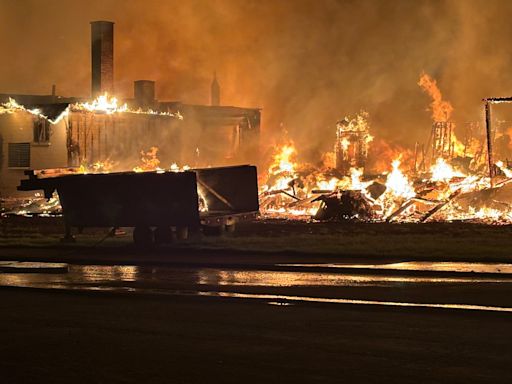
point(96, 137)
point(351, 147)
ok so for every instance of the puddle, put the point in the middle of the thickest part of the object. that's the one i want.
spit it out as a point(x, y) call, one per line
point(165, 280)
point(32, 267)
point(166, 277)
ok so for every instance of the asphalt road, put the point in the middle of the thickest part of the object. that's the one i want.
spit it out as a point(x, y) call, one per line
point(280, 324)
point(451, 286)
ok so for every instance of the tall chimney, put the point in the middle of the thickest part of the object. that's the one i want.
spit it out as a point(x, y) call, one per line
point(102, 54)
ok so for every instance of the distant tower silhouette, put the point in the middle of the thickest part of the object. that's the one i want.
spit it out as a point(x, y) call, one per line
point(215, 91)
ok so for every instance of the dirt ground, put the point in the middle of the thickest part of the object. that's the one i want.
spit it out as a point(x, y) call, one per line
point(280, 239)
point(63, 337)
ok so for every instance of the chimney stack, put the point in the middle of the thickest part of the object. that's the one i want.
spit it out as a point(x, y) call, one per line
point(144, 93)
point(102, 54)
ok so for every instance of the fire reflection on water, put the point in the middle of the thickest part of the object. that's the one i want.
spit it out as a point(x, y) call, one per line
point(311, 279)
point(165, 277)
point(208, 282)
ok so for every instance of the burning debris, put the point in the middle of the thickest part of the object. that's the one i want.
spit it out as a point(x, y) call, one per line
point(37, 205)
point(450, 184)
point(443, 193)
point(352, 140)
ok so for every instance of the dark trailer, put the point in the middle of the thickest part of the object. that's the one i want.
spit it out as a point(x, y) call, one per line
point(152, 202)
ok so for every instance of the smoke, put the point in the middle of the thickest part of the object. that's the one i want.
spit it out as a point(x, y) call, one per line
point(307, 63)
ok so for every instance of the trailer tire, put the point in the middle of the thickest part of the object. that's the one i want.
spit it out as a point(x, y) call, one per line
point(230, 228)
point(143, 237)
point(182, 232)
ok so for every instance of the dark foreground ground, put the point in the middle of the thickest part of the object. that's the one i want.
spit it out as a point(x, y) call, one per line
point(269, 240)
point(63, 337)
point(59, 336)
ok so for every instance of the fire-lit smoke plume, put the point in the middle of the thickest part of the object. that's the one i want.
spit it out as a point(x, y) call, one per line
point(304, 62)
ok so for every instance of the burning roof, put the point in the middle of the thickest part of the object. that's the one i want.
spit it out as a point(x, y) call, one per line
point(52, 112)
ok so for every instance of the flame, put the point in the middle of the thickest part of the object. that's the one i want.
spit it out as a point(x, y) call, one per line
point(283, 159)
point(149, 161)
point(12, 106)
point(283, 167)
point(441, 109)
point(398, 184)
point(104, 104)
point(345, 143)
point(505, 170)
point(109, 105)
point(176, 168)
point(355, 179)
point(442, 171)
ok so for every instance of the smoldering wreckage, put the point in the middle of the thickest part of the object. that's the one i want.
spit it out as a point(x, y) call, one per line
point(112, 173)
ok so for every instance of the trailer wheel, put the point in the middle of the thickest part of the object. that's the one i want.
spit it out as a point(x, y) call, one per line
point(182, 233)
point(230, 228)
point(163, 235)
point(143, 237)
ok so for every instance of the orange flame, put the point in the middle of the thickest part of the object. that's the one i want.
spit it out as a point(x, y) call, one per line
point(441, 109)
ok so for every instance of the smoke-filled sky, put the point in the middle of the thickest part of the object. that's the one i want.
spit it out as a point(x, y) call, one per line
point(307, 63)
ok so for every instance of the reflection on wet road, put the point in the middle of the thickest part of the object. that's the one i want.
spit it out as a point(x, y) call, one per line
point(487, 293)
point(420, 266)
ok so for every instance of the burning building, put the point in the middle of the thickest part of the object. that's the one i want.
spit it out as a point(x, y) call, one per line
point(31, 136)
point(54, 132)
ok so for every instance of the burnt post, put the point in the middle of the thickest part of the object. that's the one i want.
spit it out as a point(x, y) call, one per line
point(489, 140)
point(488, 128)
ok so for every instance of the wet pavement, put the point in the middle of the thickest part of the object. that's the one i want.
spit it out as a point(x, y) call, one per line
point(445, 285)
point(459, 267)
